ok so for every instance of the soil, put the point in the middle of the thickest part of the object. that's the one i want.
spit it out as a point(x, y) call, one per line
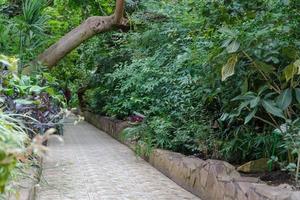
point(274, 178)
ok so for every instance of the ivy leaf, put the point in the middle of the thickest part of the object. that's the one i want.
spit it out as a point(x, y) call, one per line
point(297, 91)
point(285, 99)
point(233, 47)
point(229, 68)
point(272, 109)
point(250, 116)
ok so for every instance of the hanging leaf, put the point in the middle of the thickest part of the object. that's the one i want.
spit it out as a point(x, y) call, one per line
point(291, 70)
point(250, 116)
point(297, 91)
point(272, 109)
point(285, 99)
point(264, 67)
point(233, 47)
point(297, 66)
point(229, 68)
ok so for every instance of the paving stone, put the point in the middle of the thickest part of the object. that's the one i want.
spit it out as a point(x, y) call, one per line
point(93, 166)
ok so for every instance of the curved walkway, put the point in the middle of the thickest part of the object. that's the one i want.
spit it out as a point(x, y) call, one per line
point(93, 166)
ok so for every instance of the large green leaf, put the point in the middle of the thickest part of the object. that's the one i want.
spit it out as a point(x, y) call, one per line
point(285, 99)
point(250, 116)
point(272, 109)
point(297, 91)
point(264, 67)
point(254, 102)
point(229, 68)
point(233, 47)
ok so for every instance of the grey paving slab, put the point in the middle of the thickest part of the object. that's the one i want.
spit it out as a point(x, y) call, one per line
point(91, 165)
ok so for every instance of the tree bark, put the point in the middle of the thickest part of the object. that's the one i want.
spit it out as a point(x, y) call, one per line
point(90, 27)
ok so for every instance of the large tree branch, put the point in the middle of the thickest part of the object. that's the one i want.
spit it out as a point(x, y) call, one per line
point(119, 11)
point(90, 27)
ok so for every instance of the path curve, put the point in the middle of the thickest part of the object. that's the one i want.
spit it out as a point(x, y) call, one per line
point(93, 166)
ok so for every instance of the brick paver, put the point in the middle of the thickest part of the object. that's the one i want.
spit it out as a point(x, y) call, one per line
point(91, 165)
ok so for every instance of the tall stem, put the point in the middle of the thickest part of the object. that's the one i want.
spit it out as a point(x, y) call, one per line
point(274, 87)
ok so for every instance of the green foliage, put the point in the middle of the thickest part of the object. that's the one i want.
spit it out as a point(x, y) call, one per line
point(224, 70)
point(217, 79)
point(12, 143)
point(28, 106)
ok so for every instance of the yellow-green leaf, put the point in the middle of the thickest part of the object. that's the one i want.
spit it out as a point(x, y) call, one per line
point(297, 66)
point(233, 47)
point(229, 68)
point(289, 72)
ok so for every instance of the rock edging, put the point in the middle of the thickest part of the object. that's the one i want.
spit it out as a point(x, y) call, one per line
point(210, 179)
point(25, 188)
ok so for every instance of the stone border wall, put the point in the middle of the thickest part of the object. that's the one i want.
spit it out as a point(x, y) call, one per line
point(26, 187)
point(210, 179)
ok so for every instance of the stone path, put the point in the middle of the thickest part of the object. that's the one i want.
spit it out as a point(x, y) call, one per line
point(93, 166)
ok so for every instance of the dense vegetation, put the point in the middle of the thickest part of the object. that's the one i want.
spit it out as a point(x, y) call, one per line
point(216, 79)
point(30, 106)
point(211, 78)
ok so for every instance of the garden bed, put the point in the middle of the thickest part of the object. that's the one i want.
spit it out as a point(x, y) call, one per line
point(210, 179)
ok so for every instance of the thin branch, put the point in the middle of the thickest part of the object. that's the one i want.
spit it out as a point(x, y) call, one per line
point(275, 87)
point(266, 121)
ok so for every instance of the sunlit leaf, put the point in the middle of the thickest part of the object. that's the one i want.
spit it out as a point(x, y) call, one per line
point(291, 70)
point(297, 66)
point(229, 68)
point(233, 47)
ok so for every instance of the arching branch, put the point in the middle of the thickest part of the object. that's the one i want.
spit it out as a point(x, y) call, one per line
point(90, 27)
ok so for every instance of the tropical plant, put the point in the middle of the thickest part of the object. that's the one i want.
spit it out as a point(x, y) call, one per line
point(13, 139)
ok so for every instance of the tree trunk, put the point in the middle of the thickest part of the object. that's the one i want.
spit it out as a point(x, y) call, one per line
point(90, 27)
